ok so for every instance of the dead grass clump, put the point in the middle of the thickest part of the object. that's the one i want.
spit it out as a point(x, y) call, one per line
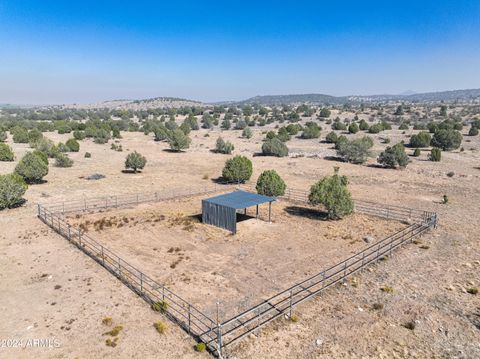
point(107, 321)
point(200, 347)
point(377, 306)
point(111, 343)
point(387, 289)
point(179, 219)
point(473, 291)
point(294, 318)
point(115, 331)
point(160, 326)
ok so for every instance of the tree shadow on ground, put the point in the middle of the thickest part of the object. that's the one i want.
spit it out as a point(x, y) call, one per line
point(306, 212)
point(333, 158)
point(131, 171)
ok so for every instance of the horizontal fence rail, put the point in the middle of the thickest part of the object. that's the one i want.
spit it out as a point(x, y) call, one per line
point(218, 336)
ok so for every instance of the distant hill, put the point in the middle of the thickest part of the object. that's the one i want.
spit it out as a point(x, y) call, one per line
point(157, 102)
point(321, 99)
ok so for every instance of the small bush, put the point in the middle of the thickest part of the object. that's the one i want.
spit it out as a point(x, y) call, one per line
point(311, 130)
point(355, 151)
point(135, 161)
point(473, 131)
point(394, 156)
point(200, 347)
point(107, 321)
point(72, 145)
point(3, 136)
point(294, 318)
point(160, 326)
point(160, 306)
point(42, 155)
point(247, 132)
point(88, 155)
point(473, 291)
point(274, 147)
point(447, 140)
point(115, 331)
point(420, 140)
point(377, 306)
point(332, 193)
point(6, 153)
point(403, 126)
point(32, 168)
point(376, 128)
point(435, 154)
point(353, 128)
point(387, 289)
point(62, 160)
point(79, 135)
point(269, 183)
point(111, 342)
point(417, 152)
point(339, 126)
point(363, 125)
point(12, 189)
point(238, 169)
point(20, 134)
point(178, 140)
point(224, 147)
point(34, 136)
point(331, 137)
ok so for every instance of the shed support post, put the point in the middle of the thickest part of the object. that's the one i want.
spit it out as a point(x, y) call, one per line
point(269, 212)
point(257, 212)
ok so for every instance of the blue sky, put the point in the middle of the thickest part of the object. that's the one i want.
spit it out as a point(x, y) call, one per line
point(86, 51)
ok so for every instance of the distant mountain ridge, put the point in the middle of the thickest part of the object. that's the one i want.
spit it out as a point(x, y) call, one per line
point(322, 99)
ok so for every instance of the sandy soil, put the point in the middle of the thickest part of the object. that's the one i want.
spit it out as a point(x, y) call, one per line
point(430, 279)
point(205, 264)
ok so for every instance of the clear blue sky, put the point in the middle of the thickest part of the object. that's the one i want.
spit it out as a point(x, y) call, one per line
point(84, 51)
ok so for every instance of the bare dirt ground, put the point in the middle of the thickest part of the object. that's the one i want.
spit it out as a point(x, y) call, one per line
point(429, 279)
point(205, 264)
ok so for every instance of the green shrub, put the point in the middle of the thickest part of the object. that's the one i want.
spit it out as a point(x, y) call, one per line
point(160, 306)
point(247, 132)
point(331, 137)
point(447, 140)
point(20, 134)
point(3, 136)
point(178, 140)
point(403, 126)
point(62, 160)
point(293, 128)
point(101, 136)
point(6, 153)
point(332, 193)
point(353, 128)
point(417, 152)
point(340, 140)
point(223, 147)
point(376, 128)
point(135, 161)
point(47, 146)
point(34, 136)
point(422, 139)
point(435, 154)
point(355, 151)
point(200, 347)
point(473, 131)
point(12, 189)
point(42, 155)
point(394, 156)
point(79, 135)
point(363, 125)
point(238, 169)
point(32, 168)
point(324, 113)
point(72, 145)
point(339, 126)
point(311, 130)
point(270, 183)
point(274, 147)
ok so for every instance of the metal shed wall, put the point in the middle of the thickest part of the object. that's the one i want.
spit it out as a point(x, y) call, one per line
point(220, 216)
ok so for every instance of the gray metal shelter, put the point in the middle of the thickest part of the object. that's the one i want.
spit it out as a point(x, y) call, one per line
point(221, 211)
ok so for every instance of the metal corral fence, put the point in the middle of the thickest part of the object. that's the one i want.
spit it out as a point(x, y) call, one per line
point(218, 336)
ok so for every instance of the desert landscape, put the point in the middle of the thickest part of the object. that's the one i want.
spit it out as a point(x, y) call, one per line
point(53, 290)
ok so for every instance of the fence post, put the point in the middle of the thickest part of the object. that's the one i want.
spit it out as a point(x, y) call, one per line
point(141, 282)
point(69, 234)
point(189, 317)
point(79, 237)
point(103, 257)
point(391, 245)
point(291, 303)
point(345, 272)
point(219, 340)
point(119, 267)
point(38, 210)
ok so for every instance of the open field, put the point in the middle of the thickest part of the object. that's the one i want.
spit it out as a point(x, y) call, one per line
point(429, 279)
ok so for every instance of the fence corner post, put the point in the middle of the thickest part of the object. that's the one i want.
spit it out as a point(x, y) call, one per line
point(219, 340)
